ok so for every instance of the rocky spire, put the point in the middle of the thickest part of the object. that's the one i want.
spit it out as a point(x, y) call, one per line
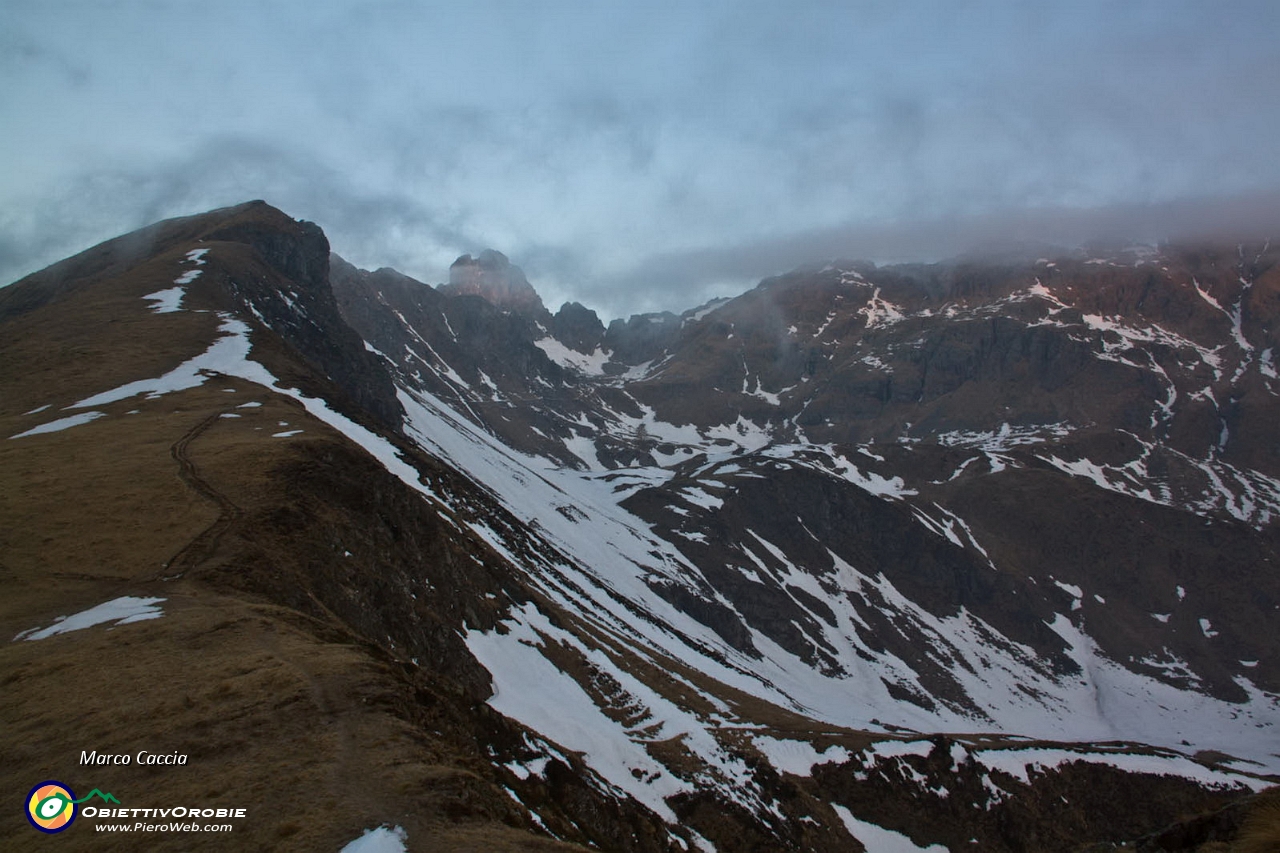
point(496, 279)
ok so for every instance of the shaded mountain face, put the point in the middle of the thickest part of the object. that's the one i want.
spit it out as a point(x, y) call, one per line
point(1082, 439)
point(978, 556)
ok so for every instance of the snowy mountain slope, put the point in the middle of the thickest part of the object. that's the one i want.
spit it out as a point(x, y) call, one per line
point(1146, 464)
point(698, 582)
point(1023, 571)
point(617, 568)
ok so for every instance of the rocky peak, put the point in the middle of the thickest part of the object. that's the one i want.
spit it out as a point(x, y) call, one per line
point(642, 337)
point(493, 277)
point(577, 327)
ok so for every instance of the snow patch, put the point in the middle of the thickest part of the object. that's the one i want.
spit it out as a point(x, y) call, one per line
point(384, 839)
point(584, 447)
point(899, 748)
point(592, 364)
point(1006, 437)
point(61, 423)
point(704, 310)
point(880, 312)
point(371, 348)
point(122, 611)
point(797, 757)
point(1071, 589)
point(167, 301)
point(1020, 763)
point(226, 355)
point(746, 435)
point(702, 498)
point(1267, 365)
point(885, 487)
point(879, 840)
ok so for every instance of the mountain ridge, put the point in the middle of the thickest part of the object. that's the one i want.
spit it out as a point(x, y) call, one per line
point(695, 583)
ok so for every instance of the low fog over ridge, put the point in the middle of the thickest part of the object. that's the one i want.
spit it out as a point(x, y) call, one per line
point(679, 280)
point(668, 279)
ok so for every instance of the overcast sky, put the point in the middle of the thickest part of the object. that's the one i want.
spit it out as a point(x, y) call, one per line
point(639, 155)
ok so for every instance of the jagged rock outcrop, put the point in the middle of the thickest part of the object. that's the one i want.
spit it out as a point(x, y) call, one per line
point(578, 328)
point(491, 276)
point(642, 337)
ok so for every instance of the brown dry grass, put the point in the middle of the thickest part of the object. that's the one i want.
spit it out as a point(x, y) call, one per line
point(278, 714)
point(1261, 830)
point(100, 337)
point(102, 502)
point(301, 732)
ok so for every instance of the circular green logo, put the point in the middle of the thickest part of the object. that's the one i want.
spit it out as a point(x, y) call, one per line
point(51, 806)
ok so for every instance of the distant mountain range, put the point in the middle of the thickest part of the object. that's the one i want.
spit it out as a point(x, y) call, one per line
point(979, 555)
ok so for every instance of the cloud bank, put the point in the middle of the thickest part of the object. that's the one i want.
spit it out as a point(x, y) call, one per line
point(634, 156)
